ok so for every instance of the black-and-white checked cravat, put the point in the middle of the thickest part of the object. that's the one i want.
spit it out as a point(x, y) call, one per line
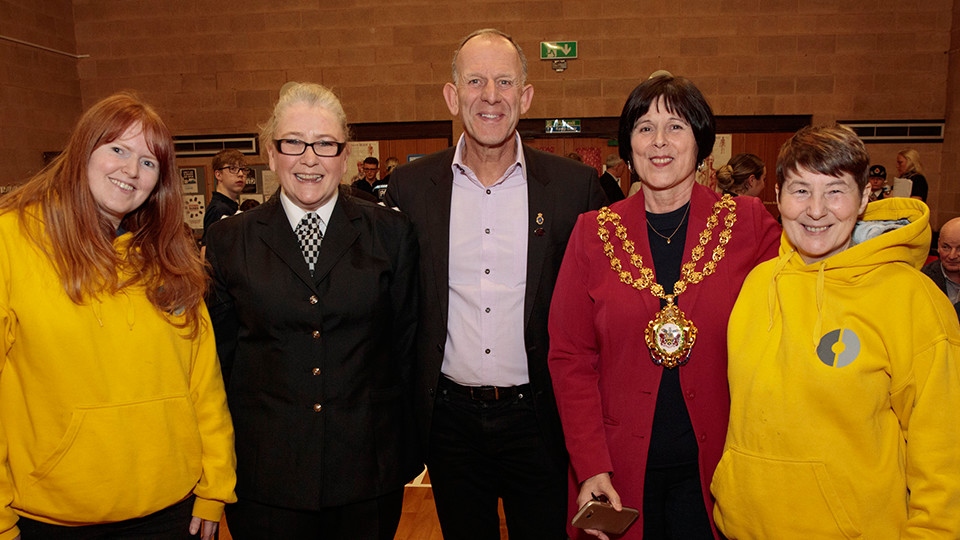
point(309, 235)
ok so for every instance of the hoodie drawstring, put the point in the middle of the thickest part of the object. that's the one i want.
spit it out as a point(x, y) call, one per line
point(821, 278)
point(772, 289)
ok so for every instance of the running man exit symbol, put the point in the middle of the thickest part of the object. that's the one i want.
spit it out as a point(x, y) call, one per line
point(553, 50)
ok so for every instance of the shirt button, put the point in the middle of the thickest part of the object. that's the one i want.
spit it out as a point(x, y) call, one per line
point(487, 351)
point(315, 334)
point(487, 310)
point(317, 407)
point(313, 300)
point(486, 231)
point(486, 271)
point(488, 192)
point(315, 371)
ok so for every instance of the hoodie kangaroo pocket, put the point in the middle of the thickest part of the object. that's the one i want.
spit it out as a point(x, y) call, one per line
point(761, 497)
point(117, 462)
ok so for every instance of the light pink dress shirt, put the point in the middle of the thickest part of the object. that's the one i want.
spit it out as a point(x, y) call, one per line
point(488, 275)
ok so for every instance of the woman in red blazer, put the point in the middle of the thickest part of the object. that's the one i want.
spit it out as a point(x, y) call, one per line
point(639, 316)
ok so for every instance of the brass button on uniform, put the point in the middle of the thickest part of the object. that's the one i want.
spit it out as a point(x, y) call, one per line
point(317, 407)
point(315, 371)
point(313, 300)
point(315, 334)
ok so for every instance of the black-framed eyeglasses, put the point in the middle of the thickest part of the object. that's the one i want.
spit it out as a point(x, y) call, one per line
point(247, 171)
point(296, 147)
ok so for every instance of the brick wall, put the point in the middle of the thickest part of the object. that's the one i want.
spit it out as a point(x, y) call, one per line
point(39, 89)
point(215, 69)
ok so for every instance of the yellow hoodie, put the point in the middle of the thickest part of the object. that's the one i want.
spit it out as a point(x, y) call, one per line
point(845, 389)
point(107, 411)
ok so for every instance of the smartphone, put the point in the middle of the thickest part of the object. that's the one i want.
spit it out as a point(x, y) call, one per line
point(601, 516)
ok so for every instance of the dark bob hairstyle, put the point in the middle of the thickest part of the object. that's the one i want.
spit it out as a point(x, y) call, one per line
point(682, 98)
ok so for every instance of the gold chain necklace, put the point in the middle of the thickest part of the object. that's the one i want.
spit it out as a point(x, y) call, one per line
point(670, 335)
point(668, 238)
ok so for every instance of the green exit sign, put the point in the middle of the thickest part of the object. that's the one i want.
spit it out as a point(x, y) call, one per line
point(561, 125)
point(557, 50)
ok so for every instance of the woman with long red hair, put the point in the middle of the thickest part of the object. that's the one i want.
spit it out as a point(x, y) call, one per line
point(112, 405)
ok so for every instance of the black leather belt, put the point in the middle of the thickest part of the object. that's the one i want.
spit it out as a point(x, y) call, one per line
point(484, 393)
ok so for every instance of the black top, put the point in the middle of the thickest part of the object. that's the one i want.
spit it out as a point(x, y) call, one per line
point(672, 441)
point(919, 188)
point(220, 207)
point(611, 187)
point(363, 185)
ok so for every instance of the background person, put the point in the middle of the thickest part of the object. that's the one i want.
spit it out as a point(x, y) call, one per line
point(314, 303)
point(115, 422)
point(644, 418)
point(909, 166)
point(744, 174)
point(380, 186)
point(370, 169)
point(249, 204)
point(231, 171)
point(837, 422)
point(493, 217)
point(610, 179)
point(945, 271)
point(878, 182)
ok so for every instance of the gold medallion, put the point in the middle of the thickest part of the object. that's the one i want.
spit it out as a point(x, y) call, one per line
point(670, 336)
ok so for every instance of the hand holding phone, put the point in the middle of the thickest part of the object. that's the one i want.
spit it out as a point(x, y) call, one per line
point(600, 515)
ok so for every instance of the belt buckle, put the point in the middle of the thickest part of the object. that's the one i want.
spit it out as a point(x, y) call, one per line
point(479, 393)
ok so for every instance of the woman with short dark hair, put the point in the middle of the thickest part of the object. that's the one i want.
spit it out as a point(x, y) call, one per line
point(841, 424)
point(638, 321)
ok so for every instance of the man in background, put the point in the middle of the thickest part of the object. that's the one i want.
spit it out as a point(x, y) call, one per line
point(371, 167)
point(878, 182)
point(945, 271)
point(610, 179)
point(231, 171)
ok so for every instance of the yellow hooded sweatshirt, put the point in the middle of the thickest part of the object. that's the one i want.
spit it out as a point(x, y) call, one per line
point(845, 390)
point(107, 411)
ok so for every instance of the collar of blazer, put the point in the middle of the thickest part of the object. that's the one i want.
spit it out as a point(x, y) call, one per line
point(274, 230)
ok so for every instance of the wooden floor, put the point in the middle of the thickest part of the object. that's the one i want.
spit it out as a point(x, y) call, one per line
point(419, 518)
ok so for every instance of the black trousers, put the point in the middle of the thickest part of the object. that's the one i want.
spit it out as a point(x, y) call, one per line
point(171, 523)
point(481, 451)
point(373, 519)
point(673, 507)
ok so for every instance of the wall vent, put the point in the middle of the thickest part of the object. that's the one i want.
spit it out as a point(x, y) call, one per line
point(209, 145)
point(897, 131)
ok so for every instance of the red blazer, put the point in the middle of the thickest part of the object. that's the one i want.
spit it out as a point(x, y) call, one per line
point(605, 383)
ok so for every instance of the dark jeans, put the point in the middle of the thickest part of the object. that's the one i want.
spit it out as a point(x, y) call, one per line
point(171, 523)
point(374, 519)
point(484, 450)
point(673, 505)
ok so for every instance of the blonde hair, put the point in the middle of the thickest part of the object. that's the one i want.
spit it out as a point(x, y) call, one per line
point(913, 160)
point(311, 94)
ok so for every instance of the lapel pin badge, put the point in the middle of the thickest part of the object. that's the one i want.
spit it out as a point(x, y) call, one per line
point(539, 230)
